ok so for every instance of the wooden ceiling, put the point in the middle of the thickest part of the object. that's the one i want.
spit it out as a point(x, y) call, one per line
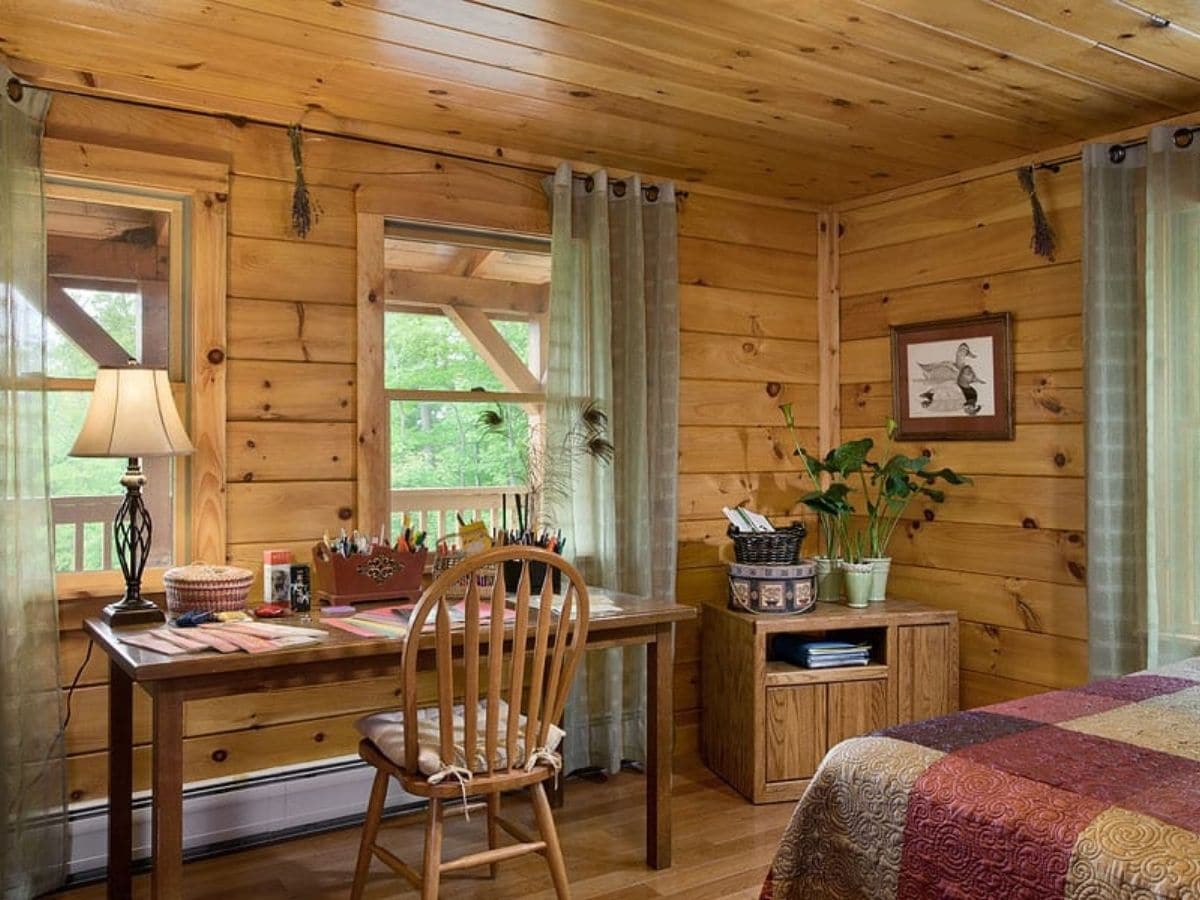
point(810, 100)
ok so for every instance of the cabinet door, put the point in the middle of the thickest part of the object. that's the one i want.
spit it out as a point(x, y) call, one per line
point(926, 672)
point(795, 731)
point(856, 707)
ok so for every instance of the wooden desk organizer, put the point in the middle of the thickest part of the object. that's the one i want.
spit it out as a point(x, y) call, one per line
point(384, 574)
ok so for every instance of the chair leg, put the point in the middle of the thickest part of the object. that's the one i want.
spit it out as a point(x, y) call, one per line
point(493, 828)
point(370, 831)
point(433, 851)
point(554, 857)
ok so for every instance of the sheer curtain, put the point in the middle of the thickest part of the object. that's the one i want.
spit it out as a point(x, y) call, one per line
point(32, 779)
point(614, 340)
point(1141, 340)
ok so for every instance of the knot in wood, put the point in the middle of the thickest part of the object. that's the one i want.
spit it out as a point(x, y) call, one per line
point(216, 356)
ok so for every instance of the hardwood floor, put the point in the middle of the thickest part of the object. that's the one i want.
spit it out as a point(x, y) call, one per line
point(723, 846)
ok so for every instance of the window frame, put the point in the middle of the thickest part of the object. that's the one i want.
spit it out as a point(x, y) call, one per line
point(197, 192)
point(374, 500)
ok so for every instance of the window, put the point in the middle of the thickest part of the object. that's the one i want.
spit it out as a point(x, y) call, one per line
point(113, 293)
point(464, 335)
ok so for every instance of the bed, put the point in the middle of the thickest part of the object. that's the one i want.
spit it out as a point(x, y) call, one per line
point(1084, 794)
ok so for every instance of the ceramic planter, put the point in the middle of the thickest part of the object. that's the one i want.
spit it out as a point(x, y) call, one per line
point(880, 567)
point(858, 578)
point(829, 579)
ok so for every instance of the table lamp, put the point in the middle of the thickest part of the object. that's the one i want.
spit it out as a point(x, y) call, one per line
point(132, 415)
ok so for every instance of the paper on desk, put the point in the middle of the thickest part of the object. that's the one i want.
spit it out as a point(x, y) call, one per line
point(599, 603)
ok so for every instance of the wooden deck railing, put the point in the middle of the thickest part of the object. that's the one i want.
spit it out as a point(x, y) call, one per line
point(435, 509)
point(77, 512)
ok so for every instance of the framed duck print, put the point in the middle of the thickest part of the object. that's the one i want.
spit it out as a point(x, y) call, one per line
point(953, 380)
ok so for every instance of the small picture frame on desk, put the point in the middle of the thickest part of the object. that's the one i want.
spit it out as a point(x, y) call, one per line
point(952, 380)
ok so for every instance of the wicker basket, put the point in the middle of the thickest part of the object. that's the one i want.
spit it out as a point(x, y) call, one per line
point(779, 548)
point(485, 577)
point(206, 588)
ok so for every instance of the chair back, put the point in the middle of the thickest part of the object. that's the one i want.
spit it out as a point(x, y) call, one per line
point(478, 658)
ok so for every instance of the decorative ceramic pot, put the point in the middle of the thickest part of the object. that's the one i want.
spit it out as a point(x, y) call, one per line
point(829, 579)
point(880, 567)
point(857, 577)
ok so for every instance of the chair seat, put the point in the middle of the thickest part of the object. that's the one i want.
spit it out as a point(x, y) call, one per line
point(386, 731)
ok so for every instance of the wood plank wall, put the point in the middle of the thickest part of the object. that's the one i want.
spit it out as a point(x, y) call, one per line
point(748, 279)
point(1008, 553)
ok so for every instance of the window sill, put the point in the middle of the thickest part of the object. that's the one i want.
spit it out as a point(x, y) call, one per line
point(73, 587)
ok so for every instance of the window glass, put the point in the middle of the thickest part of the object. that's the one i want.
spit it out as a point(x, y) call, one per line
point(428, 352)
point(107, 301)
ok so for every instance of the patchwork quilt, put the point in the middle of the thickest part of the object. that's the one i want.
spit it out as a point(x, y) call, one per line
point(1084, 794)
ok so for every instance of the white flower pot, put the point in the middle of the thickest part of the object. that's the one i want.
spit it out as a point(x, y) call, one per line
point(880, 567)
point(829, 579)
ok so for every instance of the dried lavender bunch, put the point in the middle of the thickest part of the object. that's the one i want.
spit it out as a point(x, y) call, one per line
point(305, 209)
point(1042, 242)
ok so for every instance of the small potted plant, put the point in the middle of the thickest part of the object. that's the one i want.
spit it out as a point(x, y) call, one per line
point(888, 490)
point(858, 572)
point(829, 500)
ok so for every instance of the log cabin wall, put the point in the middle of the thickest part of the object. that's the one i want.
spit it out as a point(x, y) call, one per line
point(1008, 553)
point(748, 282)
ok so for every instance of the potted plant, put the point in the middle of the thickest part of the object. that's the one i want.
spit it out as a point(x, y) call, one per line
point(891, 486)
point(829, 500)
point(858, 573)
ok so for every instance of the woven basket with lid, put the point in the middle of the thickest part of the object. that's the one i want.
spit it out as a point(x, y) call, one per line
point(200, 586)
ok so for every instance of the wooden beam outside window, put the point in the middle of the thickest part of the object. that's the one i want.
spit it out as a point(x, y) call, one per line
point(486, 294)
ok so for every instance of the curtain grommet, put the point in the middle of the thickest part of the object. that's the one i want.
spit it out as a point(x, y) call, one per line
point(15, 90)
point(589, 183)
point(1116, 153)
point(618, 188)
point(1182, 138)
point(651, 191)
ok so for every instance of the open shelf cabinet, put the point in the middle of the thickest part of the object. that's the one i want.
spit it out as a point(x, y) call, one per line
point(768, 723)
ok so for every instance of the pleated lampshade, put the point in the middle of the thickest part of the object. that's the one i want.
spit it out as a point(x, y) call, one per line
point(132, 414)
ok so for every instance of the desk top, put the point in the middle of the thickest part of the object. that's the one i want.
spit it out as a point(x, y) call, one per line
point(634, 613)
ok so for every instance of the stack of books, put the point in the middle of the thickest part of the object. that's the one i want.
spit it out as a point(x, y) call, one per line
point(822, 654)
point(827, 654)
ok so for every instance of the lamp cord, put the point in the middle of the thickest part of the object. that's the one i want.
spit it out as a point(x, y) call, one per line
point(74, 684)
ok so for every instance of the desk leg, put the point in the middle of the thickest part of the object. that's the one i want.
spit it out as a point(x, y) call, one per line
point(120, 783)
point(660, 745)
point(167, 830)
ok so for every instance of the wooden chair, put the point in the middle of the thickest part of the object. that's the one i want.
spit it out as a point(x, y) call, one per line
point(527, 672)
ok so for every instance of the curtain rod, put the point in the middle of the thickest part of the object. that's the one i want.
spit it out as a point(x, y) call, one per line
point(1116, 152)
point(239, 121)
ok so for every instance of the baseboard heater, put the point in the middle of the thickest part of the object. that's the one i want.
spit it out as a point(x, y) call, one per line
point(238, 813)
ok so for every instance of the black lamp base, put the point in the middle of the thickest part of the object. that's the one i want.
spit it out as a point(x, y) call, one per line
point(132, 533)
point(142, 612)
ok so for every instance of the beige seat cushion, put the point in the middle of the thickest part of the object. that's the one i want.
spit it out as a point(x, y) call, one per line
point(386, 731)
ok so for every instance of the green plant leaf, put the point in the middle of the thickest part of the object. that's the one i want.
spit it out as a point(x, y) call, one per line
point(849, 457)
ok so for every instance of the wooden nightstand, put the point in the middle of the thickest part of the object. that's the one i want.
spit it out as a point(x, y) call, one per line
point(767, 724)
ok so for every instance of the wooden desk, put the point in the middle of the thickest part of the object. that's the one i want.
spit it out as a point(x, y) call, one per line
point(172, 681)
